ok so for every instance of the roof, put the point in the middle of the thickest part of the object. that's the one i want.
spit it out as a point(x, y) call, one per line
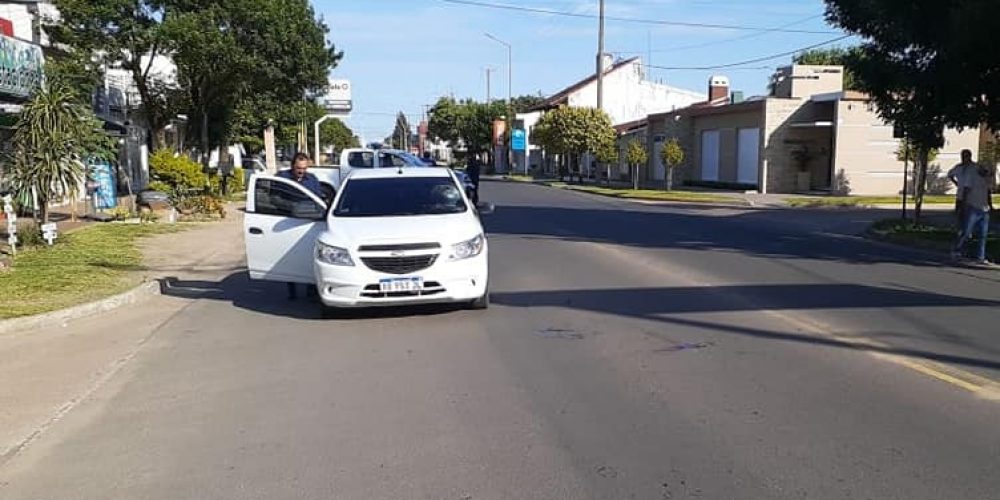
point(383, 173)
point(703, 110)
point(563, 95)
point(623, 128)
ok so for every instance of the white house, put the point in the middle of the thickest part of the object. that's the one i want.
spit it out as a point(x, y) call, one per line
point(627, 96)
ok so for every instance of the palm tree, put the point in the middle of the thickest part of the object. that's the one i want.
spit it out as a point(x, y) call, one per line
point(50, 142)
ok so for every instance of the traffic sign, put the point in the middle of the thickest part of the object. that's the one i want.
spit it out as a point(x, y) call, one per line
point(518, 140)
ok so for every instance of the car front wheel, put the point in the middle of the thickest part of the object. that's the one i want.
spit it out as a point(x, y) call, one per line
point(482, 302)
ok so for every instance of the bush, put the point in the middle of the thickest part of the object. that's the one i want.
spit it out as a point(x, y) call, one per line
point(237, 183)
point(29, 235)
point(202, 205)
point(180, 173)
point(160, 186)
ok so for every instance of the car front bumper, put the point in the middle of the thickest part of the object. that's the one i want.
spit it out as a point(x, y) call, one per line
point(444, 282)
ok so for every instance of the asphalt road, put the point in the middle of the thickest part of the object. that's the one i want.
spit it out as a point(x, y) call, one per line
point(632, 351)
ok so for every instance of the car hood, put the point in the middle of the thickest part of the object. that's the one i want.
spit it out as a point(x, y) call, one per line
point(351, 232)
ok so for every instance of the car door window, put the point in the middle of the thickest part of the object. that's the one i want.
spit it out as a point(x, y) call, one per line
point(391, 160)
point(273, 197)
point(361, 159)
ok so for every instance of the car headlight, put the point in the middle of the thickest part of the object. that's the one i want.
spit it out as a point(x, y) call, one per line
point(468, 249)
point(333, 255)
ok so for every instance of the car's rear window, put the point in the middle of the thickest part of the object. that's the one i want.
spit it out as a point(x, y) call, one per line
point(400, 196)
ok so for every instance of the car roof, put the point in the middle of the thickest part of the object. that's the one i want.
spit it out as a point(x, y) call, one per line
point(383, 173)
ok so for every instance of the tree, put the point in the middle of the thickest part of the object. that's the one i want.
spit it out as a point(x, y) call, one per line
point(54, 136)
point(635, 155)
point(335, 133)
point(574, 131)
point(672, 155)
point(467, 122)
point(834, 56)
point(401, 133)
point(924, 65)
point(122, 34)
point(523, 103)
point(608, 155)
point(271, 51)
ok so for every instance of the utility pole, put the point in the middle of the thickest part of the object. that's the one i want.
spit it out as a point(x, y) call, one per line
point(600, 59)
point(510, 102)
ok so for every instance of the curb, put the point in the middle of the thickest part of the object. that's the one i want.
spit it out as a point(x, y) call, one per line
point(61, 317)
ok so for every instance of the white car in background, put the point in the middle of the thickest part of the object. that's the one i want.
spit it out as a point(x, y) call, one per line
point(392, 236)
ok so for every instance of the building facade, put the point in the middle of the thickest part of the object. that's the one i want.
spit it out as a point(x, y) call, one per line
point(809, 136)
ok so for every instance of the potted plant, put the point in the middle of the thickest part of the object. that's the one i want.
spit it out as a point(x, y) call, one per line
point(803, 156)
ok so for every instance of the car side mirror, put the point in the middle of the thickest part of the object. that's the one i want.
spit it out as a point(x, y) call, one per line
point(485, 208)
point(307, 210)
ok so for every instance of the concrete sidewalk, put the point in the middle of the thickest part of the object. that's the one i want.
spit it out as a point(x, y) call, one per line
point(45, 373)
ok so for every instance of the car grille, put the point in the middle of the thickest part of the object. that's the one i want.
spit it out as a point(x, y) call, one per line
point(391, 248)
point(400, 265)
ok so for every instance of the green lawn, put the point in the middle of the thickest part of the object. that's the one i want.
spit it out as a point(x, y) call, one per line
point(85, 265)
point(929, 237)
point(862, 201)
point(650, 194)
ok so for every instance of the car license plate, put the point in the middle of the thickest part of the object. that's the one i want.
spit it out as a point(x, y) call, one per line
point(401, 285)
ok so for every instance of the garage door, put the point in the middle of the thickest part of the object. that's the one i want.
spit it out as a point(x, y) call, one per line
point(710, 155)
point(748, 142)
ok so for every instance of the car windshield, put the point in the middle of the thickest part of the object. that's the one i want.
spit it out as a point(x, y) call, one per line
point(400, 196)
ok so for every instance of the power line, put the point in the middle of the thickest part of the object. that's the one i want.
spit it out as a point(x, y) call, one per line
point(536, 10)
point(750, 61)
point(738, 38)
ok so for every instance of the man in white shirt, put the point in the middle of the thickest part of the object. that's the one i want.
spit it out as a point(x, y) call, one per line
point(957, 177)
point(976, 195)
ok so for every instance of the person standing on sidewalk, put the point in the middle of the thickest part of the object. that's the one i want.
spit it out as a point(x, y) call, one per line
point(957, 176)
point(976, 194)
point(473, 169)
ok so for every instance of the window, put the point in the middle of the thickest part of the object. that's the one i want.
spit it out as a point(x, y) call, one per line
point(361, 159)
point(278, 198)
point(400, 196)
point(391, 160)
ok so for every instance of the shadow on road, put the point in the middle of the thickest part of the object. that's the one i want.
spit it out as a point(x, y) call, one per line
point(657, 304)
point(272, 299)
point(789, 234)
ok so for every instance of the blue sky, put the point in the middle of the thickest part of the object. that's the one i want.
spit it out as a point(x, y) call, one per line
point(403, 54)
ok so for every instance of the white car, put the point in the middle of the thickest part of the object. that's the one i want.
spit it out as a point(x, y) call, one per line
point(390, 237)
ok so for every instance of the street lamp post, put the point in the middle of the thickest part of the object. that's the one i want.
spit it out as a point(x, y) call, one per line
point(510, 72)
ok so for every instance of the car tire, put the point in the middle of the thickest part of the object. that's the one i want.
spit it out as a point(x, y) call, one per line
point(481, 303)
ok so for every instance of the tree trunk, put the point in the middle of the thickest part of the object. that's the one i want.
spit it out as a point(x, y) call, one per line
point(670, 178)
point(921, 183)
point(635, 178)
point(206, 154)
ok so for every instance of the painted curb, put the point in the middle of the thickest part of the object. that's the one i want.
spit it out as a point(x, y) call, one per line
point(61, 317)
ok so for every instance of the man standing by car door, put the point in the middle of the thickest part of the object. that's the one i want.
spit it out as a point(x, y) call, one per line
point(300, 173)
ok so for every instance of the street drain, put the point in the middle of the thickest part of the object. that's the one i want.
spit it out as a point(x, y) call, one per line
point(686, 346)
point(559, 333)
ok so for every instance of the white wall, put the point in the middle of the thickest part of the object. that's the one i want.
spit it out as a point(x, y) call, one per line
point(18, 15)
point(629, 97)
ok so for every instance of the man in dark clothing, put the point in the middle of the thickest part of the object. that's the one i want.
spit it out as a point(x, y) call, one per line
point(300, 173)
point(472, 170)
